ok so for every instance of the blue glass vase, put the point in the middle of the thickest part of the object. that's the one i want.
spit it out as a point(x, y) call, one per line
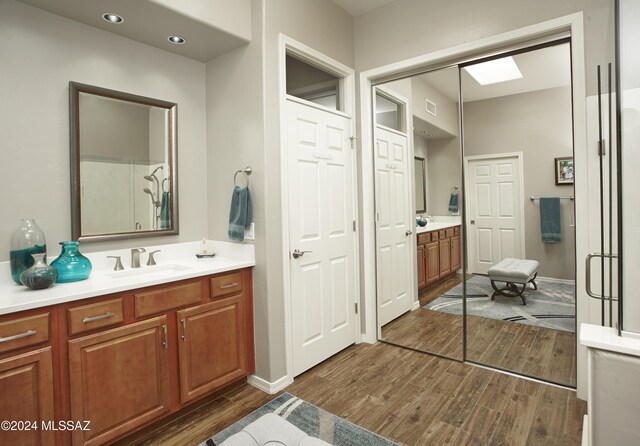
point(27, 240)
point(72, 266)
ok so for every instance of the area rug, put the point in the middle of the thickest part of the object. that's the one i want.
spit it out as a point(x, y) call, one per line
point(310, 419)
point(552, 305)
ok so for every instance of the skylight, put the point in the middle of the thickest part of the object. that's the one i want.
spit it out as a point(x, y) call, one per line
point(495, 71)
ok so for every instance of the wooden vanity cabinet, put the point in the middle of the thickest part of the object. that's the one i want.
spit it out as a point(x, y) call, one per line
point(438, 255)
point(27, 377)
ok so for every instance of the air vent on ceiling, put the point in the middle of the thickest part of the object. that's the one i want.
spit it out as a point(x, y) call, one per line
point(431, 107)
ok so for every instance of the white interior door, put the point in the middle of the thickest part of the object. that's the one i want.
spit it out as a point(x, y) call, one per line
point(321, 222)
point(494, 203)
point(394, 225)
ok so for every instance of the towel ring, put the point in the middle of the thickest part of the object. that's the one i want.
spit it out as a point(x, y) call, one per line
point(167, 180)
point(246, 171)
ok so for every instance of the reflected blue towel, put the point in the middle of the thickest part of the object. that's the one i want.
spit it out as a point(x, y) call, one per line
point(240, 214)
point(550, 219)
point(165, 215)
point(453, 202)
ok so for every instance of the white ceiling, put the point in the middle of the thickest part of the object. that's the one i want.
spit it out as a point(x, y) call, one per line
point(541, 69)
point(148, 22)
point(359, 7)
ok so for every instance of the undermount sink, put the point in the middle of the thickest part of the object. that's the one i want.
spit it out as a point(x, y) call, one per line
point(148, 270)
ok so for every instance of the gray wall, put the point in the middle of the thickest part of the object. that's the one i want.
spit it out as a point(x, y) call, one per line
point(445, 172)
point(447, 110)
point(45, 52)
point(538, 124)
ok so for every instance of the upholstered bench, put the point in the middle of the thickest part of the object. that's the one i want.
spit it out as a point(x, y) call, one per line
point(271, 430)
point(513, 272)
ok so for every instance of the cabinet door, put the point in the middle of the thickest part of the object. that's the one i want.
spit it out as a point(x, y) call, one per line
point(432, 262)
point(26, 394)
point(422, 267)
point(212, 349)
point(445, 256)
point(455, 253)
point(119, 379)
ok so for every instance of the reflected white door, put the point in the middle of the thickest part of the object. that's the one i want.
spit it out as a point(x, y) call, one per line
point(494, 204)
point(394, 225)
point(321, 216)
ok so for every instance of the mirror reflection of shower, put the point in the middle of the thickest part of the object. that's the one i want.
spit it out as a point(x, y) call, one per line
point(155, 196)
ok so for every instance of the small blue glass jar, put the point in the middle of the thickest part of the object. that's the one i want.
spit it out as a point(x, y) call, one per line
point(71, 265)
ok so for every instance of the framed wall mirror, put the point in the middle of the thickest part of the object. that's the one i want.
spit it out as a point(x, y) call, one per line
point(123, 164)
point(420, 184)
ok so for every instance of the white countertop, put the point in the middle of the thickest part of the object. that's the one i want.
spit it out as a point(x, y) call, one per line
point(606, 338)
point(174, 262)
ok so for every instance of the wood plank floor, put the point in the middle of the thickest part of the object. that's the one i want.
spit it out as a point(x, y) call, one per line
point(410, 397)
point(534, 351)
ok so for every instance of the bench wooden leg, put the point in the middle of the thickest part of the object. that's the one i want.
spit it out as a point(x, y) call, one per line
point(510, 290)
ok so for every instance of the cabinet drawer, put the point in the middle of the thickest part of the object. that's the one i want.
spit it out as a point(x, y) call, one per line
point(449, 232)
point(424, 238)
point(227, 284)
point(456, 230)
point(434, 236)
point(23, 332)
point(442, 234)
point(92, 316)
point(167, 298)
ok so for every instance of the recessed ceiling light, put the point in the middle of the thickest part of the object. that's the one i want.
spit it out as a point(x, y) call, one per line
point(176, 39)
point(112, 18)
point(495, 71)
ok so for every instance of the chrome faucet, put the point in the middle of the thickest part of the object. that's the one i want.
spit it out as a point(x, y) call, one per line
point(135, 257)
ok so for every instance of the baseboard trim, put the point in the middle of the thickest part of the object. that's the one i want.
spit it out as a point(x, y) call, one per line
point(415, 305)
point(268, 387)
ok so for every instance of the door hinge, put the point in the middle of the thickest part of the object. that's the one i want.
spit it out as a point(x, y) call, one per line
point(353, 140)
point(601, 148)
point(354, 226)
point(356, 307)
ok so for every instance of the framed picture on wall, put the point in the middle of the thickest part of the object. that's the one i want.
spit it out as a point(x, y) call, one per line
point(564, 171)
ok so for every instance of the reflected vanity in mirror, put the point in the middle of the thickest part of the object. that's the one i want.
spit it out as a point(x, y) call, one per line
point(420, 184)
point(123, 164)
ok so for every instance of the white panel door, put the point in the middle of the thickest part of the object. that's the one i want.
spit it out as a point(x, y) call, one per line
point(394, 225)
point(495, 211)
point(321, 215)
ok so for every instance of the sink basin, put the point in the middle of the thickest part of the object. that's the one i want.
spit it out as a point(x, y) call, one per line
point(145, 271)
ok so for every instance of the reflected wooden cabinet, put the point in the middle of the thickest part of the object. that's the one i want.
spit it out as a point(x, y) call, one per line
point(438, 255)
point(26, 394)
point(119, 379)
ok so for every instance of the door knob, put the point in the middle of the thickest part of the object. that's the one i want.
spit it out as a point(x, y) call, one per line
point(408, 233)
point(297, 253)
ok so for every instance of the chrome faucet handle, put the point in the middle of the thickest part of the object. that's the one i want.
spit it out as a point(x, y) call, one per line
point(151, 260)
point(118, 266)
point(135, 257)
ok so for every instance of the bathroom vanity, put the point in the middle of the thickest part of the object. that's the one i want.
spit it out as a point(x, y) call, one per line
point(438, 252)
point(124, 349)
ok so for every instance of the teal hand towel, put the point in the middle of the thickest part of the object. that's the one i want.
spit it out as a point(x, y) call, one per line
point(453, 202)
point(550, 219)
point(165, 216)
point(240, 214)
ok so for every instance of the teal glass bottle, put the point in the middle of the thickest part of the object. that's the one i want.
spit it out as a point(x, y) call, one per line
point(28, 239)
point(71, 265)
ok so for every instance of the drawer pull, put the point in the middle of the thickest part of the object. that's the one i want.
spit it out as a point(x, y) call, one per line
point(230, 285)
point(184, 330)
point(107, 315)
point(18, 336)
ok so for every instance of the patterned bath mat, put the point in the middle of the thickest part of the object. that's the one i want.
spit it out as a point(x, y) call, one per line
point(310, 419)
point(552, 305)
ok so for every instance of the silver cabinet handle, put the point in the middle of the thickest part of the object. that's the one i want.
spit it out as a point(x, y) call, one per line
point(18, 336)
point(107, 315)
point(184, 330)
point(408, 233)
point(230, 285)
point(297, 253)
point(165, 341)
